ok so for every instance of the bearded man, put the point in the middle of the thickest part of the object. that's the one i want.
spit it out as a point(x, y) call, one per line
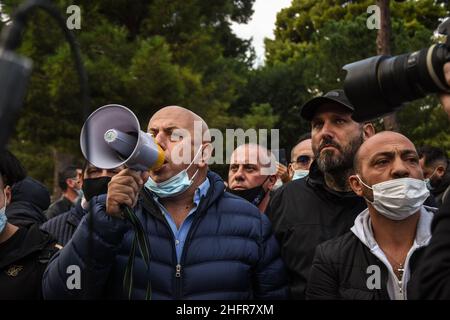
point(307, 212)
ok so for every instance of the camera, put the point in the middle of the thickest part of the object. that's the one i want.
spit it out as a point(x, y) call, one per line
point(380, 85)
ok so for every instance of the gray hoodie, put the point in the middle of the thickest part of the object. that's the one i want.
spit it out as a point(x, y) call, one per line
point(363, 230)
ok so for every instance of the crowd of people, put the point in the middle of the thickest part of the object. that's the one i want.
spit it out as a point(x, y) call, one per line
point(358, 215)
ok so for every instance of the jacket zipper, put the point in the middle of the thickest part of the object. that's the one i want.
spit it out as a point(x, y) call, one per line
point(178, 268)
point(178, 286)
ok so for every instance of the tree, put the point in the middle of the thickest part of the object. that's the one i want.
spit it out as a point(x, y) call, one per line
point(143, 54)
point(324, 35)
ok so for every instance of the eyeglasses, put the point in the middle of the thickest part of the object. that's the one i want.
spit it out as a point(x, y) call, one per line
point(303, 159)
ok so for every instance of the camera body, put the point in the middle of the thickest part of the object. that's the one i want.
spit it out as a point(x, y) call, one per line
point(380, 85)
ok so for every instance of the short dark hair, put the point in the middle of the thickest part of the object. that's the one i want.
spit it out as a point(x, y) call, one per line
point(67, 173)
point(11, 169)
point(432, 155)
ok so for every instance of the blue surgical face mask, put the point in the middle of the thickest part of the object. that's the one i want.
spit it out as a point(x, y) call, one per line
point(3, 218)
point(300, 173)
point(80, 194)
point(175, 185)
point(428, 180)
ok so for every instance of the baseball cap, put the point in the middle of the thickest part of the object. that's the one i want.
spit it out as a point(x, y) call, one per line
point(334, 96)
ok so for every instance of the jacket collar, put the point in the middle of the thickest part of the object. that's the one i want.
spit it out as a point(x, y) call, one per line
point(76, 214)
point(316, 179)
point(363, 228)
point(34, 240)
point(215, 191)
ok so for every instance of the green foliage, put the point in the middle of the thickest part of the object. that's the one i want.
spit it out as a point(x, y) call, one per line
point(315, 38)
point(144, 54)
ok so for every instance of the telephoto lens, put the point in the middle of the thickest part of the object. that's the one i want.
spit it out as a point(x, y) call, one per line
point(380, 85)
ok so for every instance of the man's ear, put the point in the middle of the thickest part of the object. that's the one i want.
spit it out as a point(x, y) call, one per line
point(271, 182)
point(440, 171)
point(8, 194)
point(70, 183)
point(206, 155)
point(368, 130)
point(356, 185)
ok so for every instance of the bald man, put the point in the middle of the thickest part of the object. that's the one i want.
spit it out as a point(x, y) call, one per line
point(205, 243)
point(252, 174)
point(376, 258)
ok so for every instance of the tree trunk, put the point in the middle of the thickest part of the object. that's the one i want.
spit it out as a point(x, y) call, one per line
point(384, 48)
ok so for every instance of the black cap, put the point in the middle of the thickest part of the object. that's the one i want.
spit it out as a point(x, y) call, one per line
point(334, 96)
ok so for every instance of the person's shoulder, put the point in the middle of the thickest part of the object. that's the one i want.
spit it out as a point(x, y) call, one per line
point(338, 246)
point(233, 204)
point(56, 220)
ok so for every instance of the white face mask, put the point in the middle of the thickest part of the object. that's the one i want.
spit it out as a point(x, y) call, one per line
point(398, 199)
point(300, 173)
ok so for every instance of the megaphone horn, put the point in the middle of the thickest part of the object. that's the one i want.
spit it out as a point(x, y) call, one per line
point(114, 138)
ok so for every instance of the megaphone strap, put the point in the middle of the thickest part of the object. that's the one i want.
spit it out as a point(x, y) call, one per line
point(140, 240)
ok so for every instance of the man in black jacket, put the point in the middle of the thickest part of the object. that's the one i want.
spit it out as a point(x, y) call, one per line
point(95, 182)
point(69, 182)
point(307, 212)
point(435, 168)
point(24, 253)
point(431, 280)
point(375, 259)
point(29, 199)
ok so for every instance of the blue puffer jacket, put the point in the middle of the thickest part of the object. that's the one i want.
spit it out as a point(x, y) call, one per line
point(230, 253)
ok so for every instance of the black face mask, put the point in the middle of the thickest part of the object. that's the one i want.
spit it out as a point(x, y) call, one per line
point(253, 195)
point(95, 186)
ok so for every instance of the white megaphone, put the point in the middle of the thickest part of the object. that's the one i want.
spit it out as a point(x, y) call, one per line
point(112, 137)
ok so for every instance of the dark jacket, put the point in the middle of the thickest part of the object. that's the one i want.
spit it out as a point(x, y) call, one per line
point(230, 253)
point(29, 200)
point(63, 226)
point(58, 207)
point(305, 213)
point(343, 268)
point(23, 259)
point(432, 279)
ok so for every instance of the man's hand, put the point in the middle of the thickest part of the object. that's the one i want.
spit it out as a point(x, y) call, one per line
point(124, 190)
point(445, 98)
point(282, 173)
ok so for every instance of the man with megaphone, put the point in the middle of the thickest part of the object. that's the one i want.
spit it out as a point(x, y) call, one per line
point(204, 243)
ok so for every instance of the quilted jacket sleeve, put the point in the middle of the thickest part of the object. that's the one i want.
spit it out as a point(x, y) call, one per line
point(67, 275)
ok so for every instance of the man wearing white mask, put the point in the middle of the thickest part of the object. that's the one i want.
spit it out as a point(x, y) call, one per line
point(205, 243)
point(376, 258)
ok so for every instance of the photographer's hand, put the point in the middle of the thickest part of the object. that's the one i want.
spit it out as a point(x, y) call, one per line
point(445, 98)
